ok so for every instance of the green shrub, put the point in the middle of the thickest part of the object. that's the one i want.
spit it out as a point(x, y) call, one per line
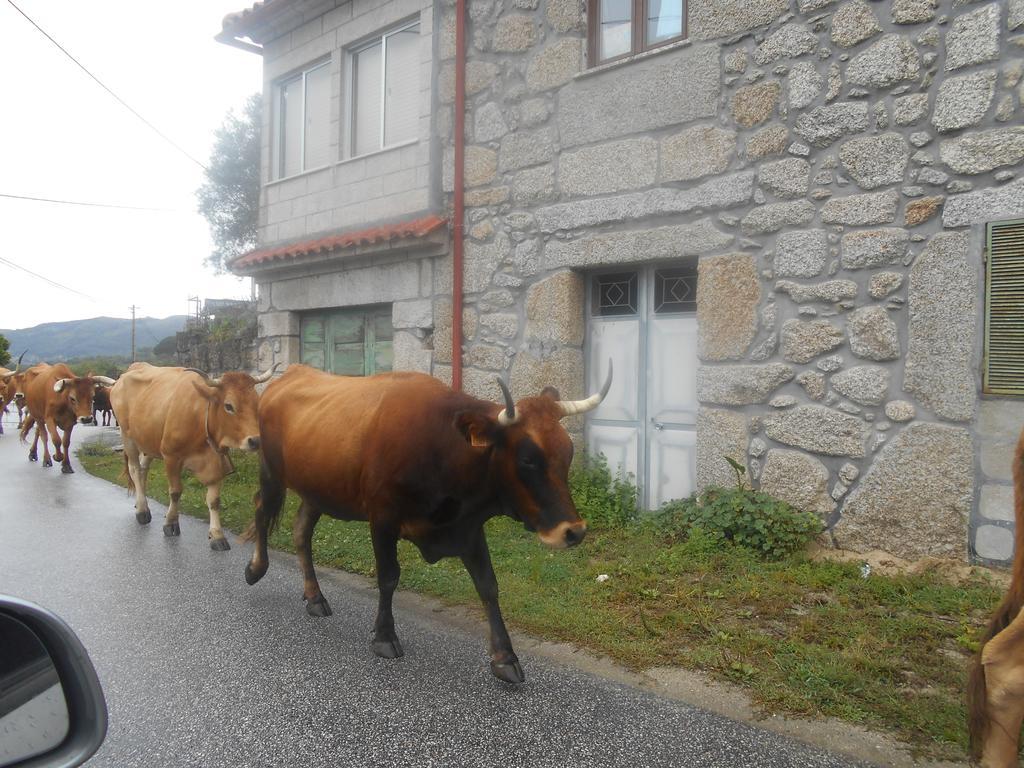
point(745, 517)
point(603, 500)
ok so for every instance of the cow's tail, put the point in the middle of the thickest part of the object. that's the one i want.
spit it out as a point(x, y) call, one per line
point(125, 475)
point(25, 428)
point(268, 502)
point(977, 690)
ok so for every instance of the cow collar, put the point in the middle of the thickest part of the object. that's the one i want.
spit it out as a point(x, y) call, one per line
point(227, 465)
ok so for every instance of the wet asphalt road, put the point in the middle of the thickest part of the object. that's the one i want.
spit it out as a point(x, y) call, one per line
point(200, 669)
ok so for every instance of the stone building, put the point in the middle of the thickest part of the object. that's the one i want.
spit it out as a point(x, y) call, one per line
point(790, 223)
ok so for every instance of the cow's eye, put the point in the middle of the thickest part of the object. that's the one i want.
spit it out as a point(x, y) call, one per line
point(229, 407)
point(527, 463)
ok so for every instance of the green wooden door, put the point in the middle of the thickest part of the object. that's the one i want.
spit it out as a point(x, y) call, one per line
point(349, 342)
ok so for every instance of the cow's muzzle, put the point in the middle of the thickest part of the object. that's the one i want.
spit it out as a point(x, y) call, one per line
point(564, 535)
point(252, 443)
point(85, 420)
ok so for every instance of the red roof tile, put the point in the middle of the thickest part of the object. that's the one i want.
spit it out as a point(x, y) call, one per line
point(402, 230)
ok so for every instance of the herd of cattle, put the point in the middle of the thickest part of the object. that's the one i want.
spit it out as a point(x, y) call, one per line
point(415, 459)
point(404, 452)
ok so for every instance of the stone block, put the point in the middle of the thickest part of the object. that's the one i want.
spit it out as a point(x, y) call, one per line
point(853, 23)
point(488, 123)
point(523, 149)
point(824, 125)
point(554, 309)
point(818, 429)
point(409, 353)
point(768, 141)
point(499, 325)
point(565, 15)
point(913, 11)
point(798, 479)
point(644, 96)
point(786, 178)
point(753, 104)
point(787, 42)
point(1006, 202)
point(867, 249)
point(634, 246)
point(278, 324)
point(555, 65)
point(993, 542)
point(873, 335)
point(482, 260)
point(488, 357)
point(708, 19)
point(720, 433)
point(533, 369)
point(696, 152)
point(963, 101)
point(611, 167)
point(997, 502)
point(805, 84)
point(533, 186)
point(802, 341)
point(728, 294)
point(884, 283)
point(875, 161)
point(890, 61)
point(413, 314)
point(862, 210)
point(740, 384)
point(943, 308)
point(864, 384)
point(923, 209)
point(813, 384)
point(997, 460)
point(514, 33)
point(775, 216)
point(828, 292)
point(801, 254)
point(916, 498)
point(1001, 419)
point(899, 410)
point(910, 109)
point(984, 151)
point(973, 38)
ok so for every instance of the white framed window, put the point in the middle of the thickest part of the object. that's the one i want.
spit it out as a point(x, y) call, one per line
point(302, 115)
point(384, 107)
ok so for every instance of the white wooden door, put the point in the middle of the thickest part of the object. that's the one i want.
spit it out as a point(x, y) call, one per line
point(644, 320)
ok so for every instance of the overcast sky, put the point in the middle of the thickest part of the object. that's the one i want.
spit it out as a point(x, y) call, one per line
point(64, 137)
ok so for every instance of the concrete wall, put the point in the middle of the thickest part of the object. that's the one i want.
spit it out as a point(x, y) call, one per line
point(349, 192)
point(832, 163)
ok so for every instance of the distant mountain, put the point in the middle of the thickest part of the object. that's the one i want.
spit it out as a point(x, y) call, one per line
point(97, 336)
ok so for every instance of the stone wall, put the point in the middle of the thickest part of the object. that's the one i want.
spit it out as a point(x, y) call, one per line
point(832, 163)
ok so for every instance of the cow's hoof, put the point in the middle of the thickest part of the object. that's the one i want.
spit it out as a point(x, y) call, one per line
point(219, 545)
point(33, 456)
point(47, 463)
point(508, 671)
point(172, 529)
point(66, 469)
point(252, 575)
point(318, 606)
point(58, 456)
point(143, 517)
point(387, 649)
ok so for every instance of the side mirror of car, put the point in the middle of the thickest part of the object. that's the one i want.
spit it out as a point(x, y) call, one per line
point(52, 710)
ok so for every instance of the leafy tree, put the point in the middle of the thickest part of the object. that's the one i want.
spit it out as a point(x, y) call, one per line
point(229, 199)
point(5, 346)
point(166, 348)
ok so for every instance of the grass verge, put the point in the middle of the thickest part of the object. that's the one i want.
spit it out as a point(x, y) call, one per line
point(803, 637)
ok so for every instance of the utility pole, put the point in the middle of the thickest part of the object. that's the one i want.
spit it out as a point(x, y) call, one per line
point(133, 333)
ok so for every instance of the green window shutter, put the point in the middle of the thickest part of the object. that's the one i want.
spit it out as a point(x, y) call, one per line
point(349, 342)
point(1004, 309)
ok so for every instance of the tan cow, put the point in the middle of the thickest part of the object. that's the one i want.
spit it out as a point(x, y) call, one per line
point(189, 420)
point(995, 691)
point(9, 391)
point(55, 397)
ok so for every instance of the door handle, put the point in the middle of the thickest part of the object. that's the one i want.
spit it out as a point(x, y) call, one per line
point(659, 426)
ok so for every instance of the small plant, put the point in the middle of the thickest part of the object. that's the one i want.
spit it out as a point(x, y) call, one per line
point(603, 500)
point(742, 516)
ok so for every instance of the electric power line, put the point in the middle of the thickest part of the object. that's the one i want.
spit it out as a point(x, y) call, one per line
point(92, 205)
point(99, 82)
point(54, 283)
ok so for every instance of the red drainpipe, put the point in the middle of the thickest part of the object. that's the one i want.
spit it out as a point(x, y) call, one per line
point(458, 214)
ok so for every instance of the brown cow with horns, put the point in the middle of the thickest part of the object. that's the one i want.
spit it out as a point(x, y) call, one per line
point(190, 420)
point(420, 462)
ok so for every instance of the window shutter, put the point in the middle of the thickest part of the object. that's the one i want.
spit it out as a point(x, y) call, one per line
point(402, 86)
point(318, 116)
point(1004, 309)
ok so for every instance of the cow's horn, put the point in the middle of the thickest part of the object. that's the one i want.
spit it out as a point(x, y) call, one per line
point(17, 368)
point(266, 376)
point(104, 380)
point(571, 407)
point(507, 415)
point(206, 377)
point(58, 386)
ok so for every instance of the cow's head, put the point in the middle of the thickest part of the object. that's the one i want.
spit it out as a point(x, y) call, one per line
point(12, 384)
point(530, 457)
point(78, 391)
point(231, 402)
